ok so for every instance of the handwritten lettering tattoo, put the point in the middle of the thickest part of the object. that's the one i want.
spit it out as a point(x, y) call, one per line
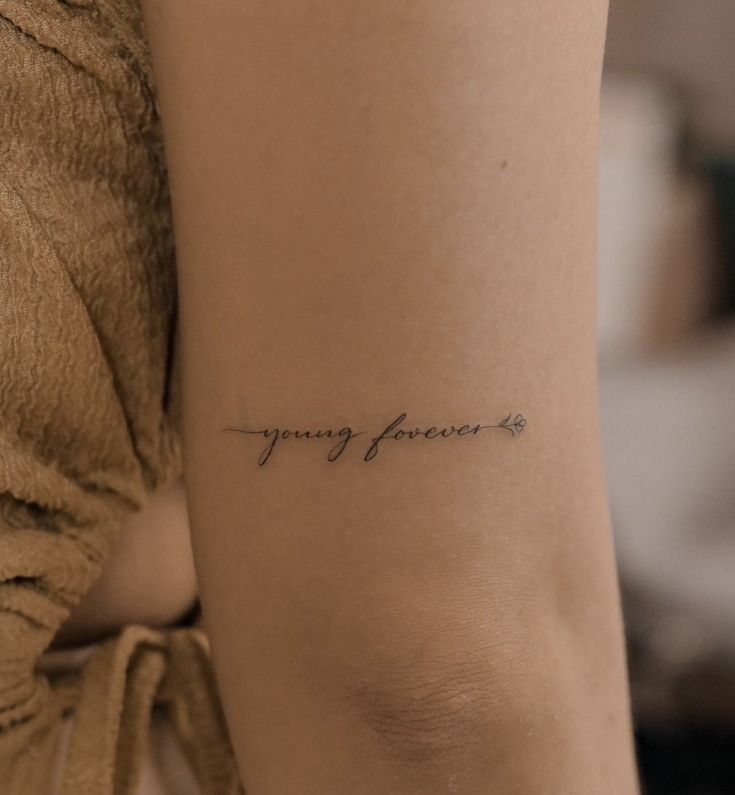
point(513, 424)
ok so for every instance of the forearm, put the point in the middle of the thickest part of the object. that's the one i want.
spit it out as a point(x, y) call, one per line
point(385, 208)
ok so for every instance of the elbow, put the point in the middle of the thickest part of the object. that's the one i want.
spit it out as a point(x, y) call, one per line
point(464, 709)
point(421, 719)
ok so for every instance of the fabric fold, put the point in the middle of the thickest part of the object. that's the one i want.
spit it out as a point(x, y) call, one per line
point(111, 694)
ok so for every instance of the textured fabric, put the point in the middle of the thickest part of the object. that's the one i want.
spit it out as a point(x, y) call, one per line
point(147, 703)
point(89, 400)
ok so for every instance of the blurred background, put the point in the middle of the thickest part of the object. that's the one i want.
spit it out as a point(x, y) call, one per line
point(666, 313)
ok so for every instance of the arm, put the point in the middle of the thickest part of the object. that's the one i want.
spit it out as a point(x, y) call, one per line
point(381, 208)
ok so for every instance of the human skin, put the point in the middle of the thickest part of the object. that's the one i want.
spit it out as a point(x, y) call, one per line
point(380, 208)
point(148, 578)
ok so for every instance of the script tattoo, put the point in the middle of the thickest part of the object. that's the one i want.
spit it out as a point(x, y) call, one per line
point(513, 424)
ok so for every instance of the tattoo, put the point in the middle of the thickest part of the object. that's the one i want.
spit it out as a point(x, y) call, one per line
point(513, 424)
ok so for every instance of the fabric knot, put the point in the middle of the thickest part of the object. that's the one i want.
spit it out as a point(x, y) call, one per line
point(113, 696)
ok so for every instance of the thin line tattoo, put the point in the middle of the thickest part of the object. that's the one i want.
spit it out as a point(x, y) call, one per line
point(513, 424)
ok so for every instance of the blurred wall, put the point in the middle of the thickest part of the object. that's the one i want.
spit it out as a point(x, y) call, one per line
point(691, 43)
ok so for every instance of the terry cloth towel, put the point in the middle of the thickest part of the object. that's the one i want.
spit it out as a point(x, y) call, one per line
point(89, 396)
